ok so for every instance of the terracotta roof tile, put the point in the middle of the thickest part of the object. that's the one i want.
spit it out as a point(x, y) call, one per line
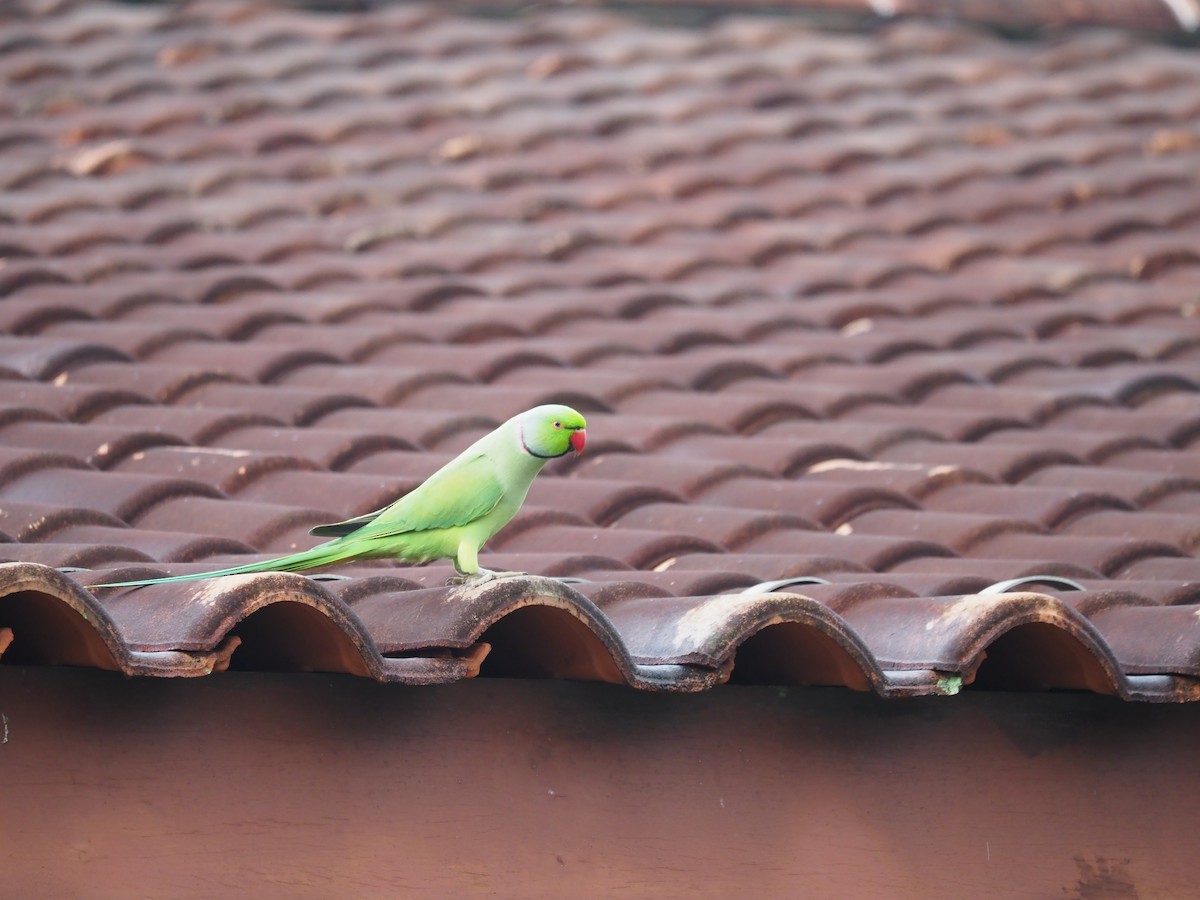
point(144, 543)
point(92, 444)
point(887, 341)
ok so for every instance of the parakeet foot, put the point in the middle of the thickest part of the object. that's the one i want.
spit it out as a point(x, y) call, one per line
point(483, 576)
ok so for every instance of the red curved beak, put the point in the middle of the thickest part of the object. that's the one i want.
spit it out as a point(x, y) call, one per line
point(578, 440)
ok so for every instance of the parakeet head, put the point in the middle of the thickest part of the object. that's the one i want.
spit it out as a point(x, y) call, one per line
point(552, 431)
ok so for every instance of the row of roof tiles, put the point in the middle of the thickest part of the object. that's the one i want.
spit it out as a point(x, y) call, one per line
point(857, 634)
point(887, 344)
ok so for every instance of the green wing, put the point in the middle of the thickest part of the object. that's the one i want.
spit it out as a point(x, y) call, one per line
point(457, 494)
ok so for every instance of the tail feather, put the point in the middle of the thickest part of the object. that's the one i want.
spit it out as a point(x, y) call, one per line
point(320, 555)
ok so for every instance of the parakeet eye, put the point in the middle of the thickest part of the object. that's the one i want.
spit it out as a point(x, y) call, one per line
point(558, 424)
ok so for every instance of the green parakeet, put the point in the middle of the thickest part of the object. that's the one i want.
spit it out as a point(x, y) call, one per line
point(451, 515)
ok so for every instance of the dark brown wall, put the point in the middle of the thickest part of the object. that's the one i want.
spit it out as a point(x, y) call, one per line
point(250, 784)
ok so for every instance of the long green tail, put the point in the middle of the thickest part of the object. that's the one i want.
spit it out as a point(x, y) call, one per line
point(321, 555)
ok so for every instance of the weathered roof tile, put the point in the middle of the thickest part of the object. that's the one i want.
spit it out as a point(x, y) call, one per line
point(887, 341)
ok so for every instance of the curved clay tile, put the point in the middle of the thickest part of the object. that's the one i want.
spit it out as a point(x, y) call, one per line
point(776, 455)
point(1026, 638)
point(1155, 645)
point(877, 552)
point(59, 622)
point(1011, 462)
point(266, 527)
point(681, 475)
point(486, 362)
point(781, 638)
point(1179, 529)
point(509, 398)
point(31, 315)
point(594, 390)
point(830, 503)
point(598, 500)
point(701, 574)
point(275, 621)
point(123, 495)
point(165, 383)
point(912, 479)
point(1094, 446)
point(1184, 592)
point(90, 555)
point(44, 359)
point(1108, 555)
point(136, 340)
point(299, 406)
point(39, 521)
point(16, 461)
point(826, 398)
point(1047, 505)
point(535, 627)
point(1173, 421)
point(993, 570)
point(384, 385)
point(961, 531)
point(675, 580)
point(729, 528)
point(98, 446)
point(160, 546)
point(637, 548)
point(370, 429)
point(1130, 384)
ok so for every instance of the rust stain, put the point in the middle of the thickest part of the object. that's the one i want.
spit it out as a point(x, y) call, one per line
point(1103, 879)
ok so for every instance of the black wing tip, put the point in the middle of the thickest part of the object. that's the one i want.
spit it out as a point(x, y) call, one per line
point(338, 530)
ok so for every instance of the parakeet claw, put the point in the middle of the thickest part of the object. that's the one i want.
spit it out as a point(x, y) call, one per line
point(483, 576)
